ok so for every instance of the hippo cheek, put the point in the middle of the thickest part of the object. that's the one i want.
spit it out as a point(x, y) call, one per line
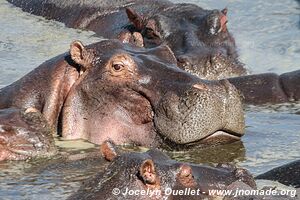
point(119, 127)
point(115, 125)
point(102, 117)
point(213, 115)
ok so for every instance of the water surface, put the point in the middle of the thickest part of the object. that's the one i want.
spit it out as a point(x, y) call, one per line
point(267, 34)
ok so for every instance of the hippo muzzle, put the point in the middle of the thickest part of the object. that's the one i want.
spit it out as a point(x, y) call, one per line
point(204, 113)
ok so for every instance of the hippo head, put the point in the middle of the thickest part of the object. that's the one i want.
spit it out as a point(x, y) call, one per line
point(155, 172)
point(199, 38)
point(24, 133)
point(134, 95)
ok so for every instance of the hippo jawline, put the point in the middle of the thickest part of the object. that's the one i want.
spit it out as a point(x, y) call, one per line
point(214, 138)
point(218, 137)
point(221, 136)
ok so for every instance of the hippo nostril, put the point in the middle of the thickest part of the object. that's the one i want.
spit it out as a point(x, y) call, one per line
point(200, 87)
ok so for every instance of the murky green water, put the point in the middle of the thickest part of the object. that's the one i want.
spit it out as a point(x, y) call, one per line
point(268, 36)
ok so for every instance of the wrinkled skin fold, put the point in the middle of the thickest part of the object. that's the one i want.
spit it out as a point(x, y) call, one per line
point(111, 90)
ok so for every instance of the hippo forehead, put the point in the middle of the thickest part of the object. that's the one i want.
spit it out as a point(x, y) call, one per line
point(161, 161)
point(183, 13)
point(108, 48)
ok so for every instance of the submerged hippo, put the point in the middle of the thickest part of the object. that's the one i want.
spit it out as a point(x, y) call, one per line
point(111, 90)
point(269, 87)
point(199, 38)
point(155, 172)
point(288, 174)
point(24, 133)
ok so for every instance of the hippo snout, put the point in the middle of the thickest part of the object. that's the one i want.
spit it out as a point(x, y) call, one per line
point(203, 113)
point(211, 65)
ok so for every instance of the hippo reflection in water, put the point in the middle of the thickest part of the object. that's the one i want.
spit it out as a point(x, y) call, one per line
point(199, 39)
point(155, 171)
point(110, 90)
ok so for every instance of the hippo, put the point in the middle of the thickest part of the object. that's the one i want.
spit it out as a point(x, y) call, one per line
point(199, 38)
point(269, 88)
point(131, 95)
point(156, 174)
point(288, 174)
point(24, 133)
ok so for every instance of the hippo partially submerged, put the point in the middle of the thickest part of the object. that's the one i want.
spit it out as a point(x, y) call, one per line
point(111, 90)
point(23, 134)
point(153, 175)
point(268, 87)
point(288, 174)
point(129, 174)
point(199, 38)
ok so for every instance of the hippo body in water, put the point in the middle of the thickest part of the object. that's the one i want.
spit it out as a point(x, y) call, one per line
point(268, 87)
point(199, 38)
point(24, 133)
point(155, 172)
point(111, 90)
point(288, 174)
point(153, 175)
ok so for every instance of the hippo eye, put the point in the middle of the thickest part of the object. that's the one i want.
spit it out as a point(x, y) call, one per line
point(151, 34)
point(118, 67)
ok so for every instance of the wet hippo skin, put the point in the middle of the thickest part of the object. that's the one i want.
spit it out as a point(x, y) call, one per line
point(154, 170)
point(24, 133)
point(288, 174)
point(269, 87)
point(111, 90)
point(198, 37)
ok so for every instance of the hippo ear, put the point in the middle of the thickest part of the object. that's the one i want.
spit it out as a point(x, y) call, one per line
point(135, 38)
point(217, 21)
point(109, 151)
point(80, 55)
point(223, 19)
point(224, 11)
point(135, 18)
point(147, 172)
point(185, 176)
